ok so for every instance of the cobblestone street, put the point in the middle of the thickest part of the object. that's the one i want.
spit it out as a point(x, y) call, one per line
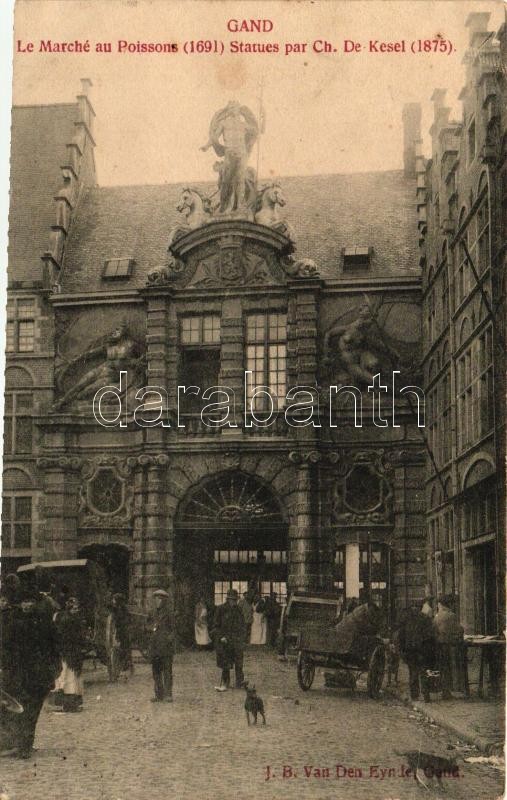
point(123, 747)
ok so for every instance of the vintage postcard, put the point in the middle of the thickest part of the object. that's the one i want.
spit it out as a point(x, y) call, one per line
point(253, 492)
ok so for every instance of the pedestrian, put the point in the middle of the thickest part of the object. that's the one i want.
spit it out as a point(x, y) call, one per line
point(9, 612)
point(229, 635)
point(427, 607)
point(71, 628)
point(120, 632)
point(11, 588)
point(245, 606)
point(449, 636)
point(259, 632)
point(273, 612)
point(36, 663)
point(417, 645)
point(201, 632)
point(161, 649)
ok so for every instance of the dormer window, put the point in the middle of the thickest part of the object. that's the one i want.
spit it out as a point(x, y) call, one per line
point(118, 268)
point(357, 257)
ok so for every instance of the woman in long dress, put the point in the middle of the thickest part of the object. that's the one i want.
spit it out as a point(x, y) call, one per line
point(259, 633)
point(71, 627)
point(201, 632)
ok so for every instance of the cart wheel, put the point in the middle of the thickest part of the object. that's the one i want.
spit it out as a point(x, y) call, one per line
point(306, 671)
point(376, 671)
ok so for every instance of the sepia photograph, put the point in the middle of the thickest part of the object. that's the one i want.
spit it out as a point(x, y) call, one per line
point(253, 479)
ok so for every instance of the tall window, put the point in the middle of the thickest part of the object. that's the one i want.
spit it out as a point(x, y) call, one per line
point(445, 296)
point(431, 315)
point(17, 521)
point(475, 390)
point(20, 331)
point(463, 274)
point(202, 329)
point(18, 423)
point(446, 433)
point(266, 356)
point(471, 141)
point(485, 391)
point(482, 243)
point(199, 357)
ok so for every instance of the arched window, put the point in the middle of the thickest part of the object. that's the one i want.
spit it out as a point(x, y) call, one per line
point(482, 246)
point(465, 330)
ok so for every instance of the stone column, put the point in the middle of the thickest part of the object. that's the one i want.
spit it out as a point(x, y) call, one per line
point(409, 539)
point(304, 551)
point(61, 490)
point(153, 532)
point(309, 553)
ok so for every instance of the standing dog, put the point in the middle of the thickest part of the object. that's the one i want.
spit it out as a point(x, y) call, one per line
point(432, 766)
point(253, 705)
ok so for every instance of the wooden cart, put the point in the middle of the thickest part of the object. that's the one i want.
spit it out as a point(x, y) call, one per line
point(356, 654)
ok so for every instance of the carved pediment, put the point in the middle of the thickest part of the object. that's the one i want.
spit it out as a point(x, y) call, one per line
point(228, 253)
point(234, 266)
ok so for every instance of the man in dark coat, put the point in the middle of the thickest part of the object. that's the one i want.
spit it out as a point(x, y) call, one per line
point(36, 662)
point(229, 635)
point(416, 638)
point(449, 636)
point(9, 611)
point(161, 648)
point(273, 611)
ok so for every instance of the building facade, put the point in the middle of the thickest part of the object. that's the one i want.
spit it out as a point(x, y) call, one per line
point(175, 289)
point(462, 202)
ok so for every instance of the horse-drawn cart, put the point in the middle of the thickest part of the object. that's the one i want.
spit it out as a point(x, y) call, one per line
point(350, 648)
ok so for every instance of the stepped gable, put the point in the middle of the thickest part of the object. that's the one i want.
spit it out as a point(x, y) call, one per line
point(327, 213)
point(40, 135)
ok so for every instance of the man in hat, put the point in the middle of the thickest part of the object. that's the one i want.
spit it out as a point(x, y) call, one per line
point(229, 634)
point(36, 662)
point(416, 640)
point(161, 648)
point(449, 634)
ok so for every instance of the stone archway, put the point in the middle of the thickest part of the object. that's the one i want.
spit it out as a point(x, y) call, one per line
point(230, 530)
point(114, 558)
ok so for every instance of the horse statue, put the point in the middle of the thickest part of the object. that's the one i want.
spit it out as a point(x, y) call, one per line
point(195, 207)
point(196, 210)
point(269, 200)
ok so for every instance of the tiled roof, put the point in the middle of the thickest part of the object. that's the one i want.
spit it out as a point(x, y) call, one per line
point(39, 136)
point(327, 213)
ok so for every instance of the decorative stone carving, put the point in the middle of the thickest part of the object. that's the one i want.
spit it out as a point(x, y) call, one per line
point(102, 364)
point(356, 350)
point(105, 496)
point(362, 493)
point(164, 275)
point(231, 264)
point(300, 268)
point(148, 460)
point(349, 358)
point(305, 457)
point(66, 463)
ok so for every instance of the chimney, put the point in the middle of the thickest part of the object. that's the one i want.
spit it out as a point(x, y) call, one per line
point(411, 134)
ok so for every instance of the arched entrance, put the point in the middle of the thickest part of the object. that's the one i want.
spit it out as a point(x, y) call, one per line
point(114, 559)
point(230, 532)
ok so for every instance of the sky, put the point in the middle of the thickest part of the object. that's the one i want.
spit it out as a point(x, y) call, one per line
point(325, 113)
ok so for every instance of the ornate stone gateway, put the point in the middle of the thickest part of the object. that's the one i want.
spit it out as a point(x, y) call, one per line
point(230, 531)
